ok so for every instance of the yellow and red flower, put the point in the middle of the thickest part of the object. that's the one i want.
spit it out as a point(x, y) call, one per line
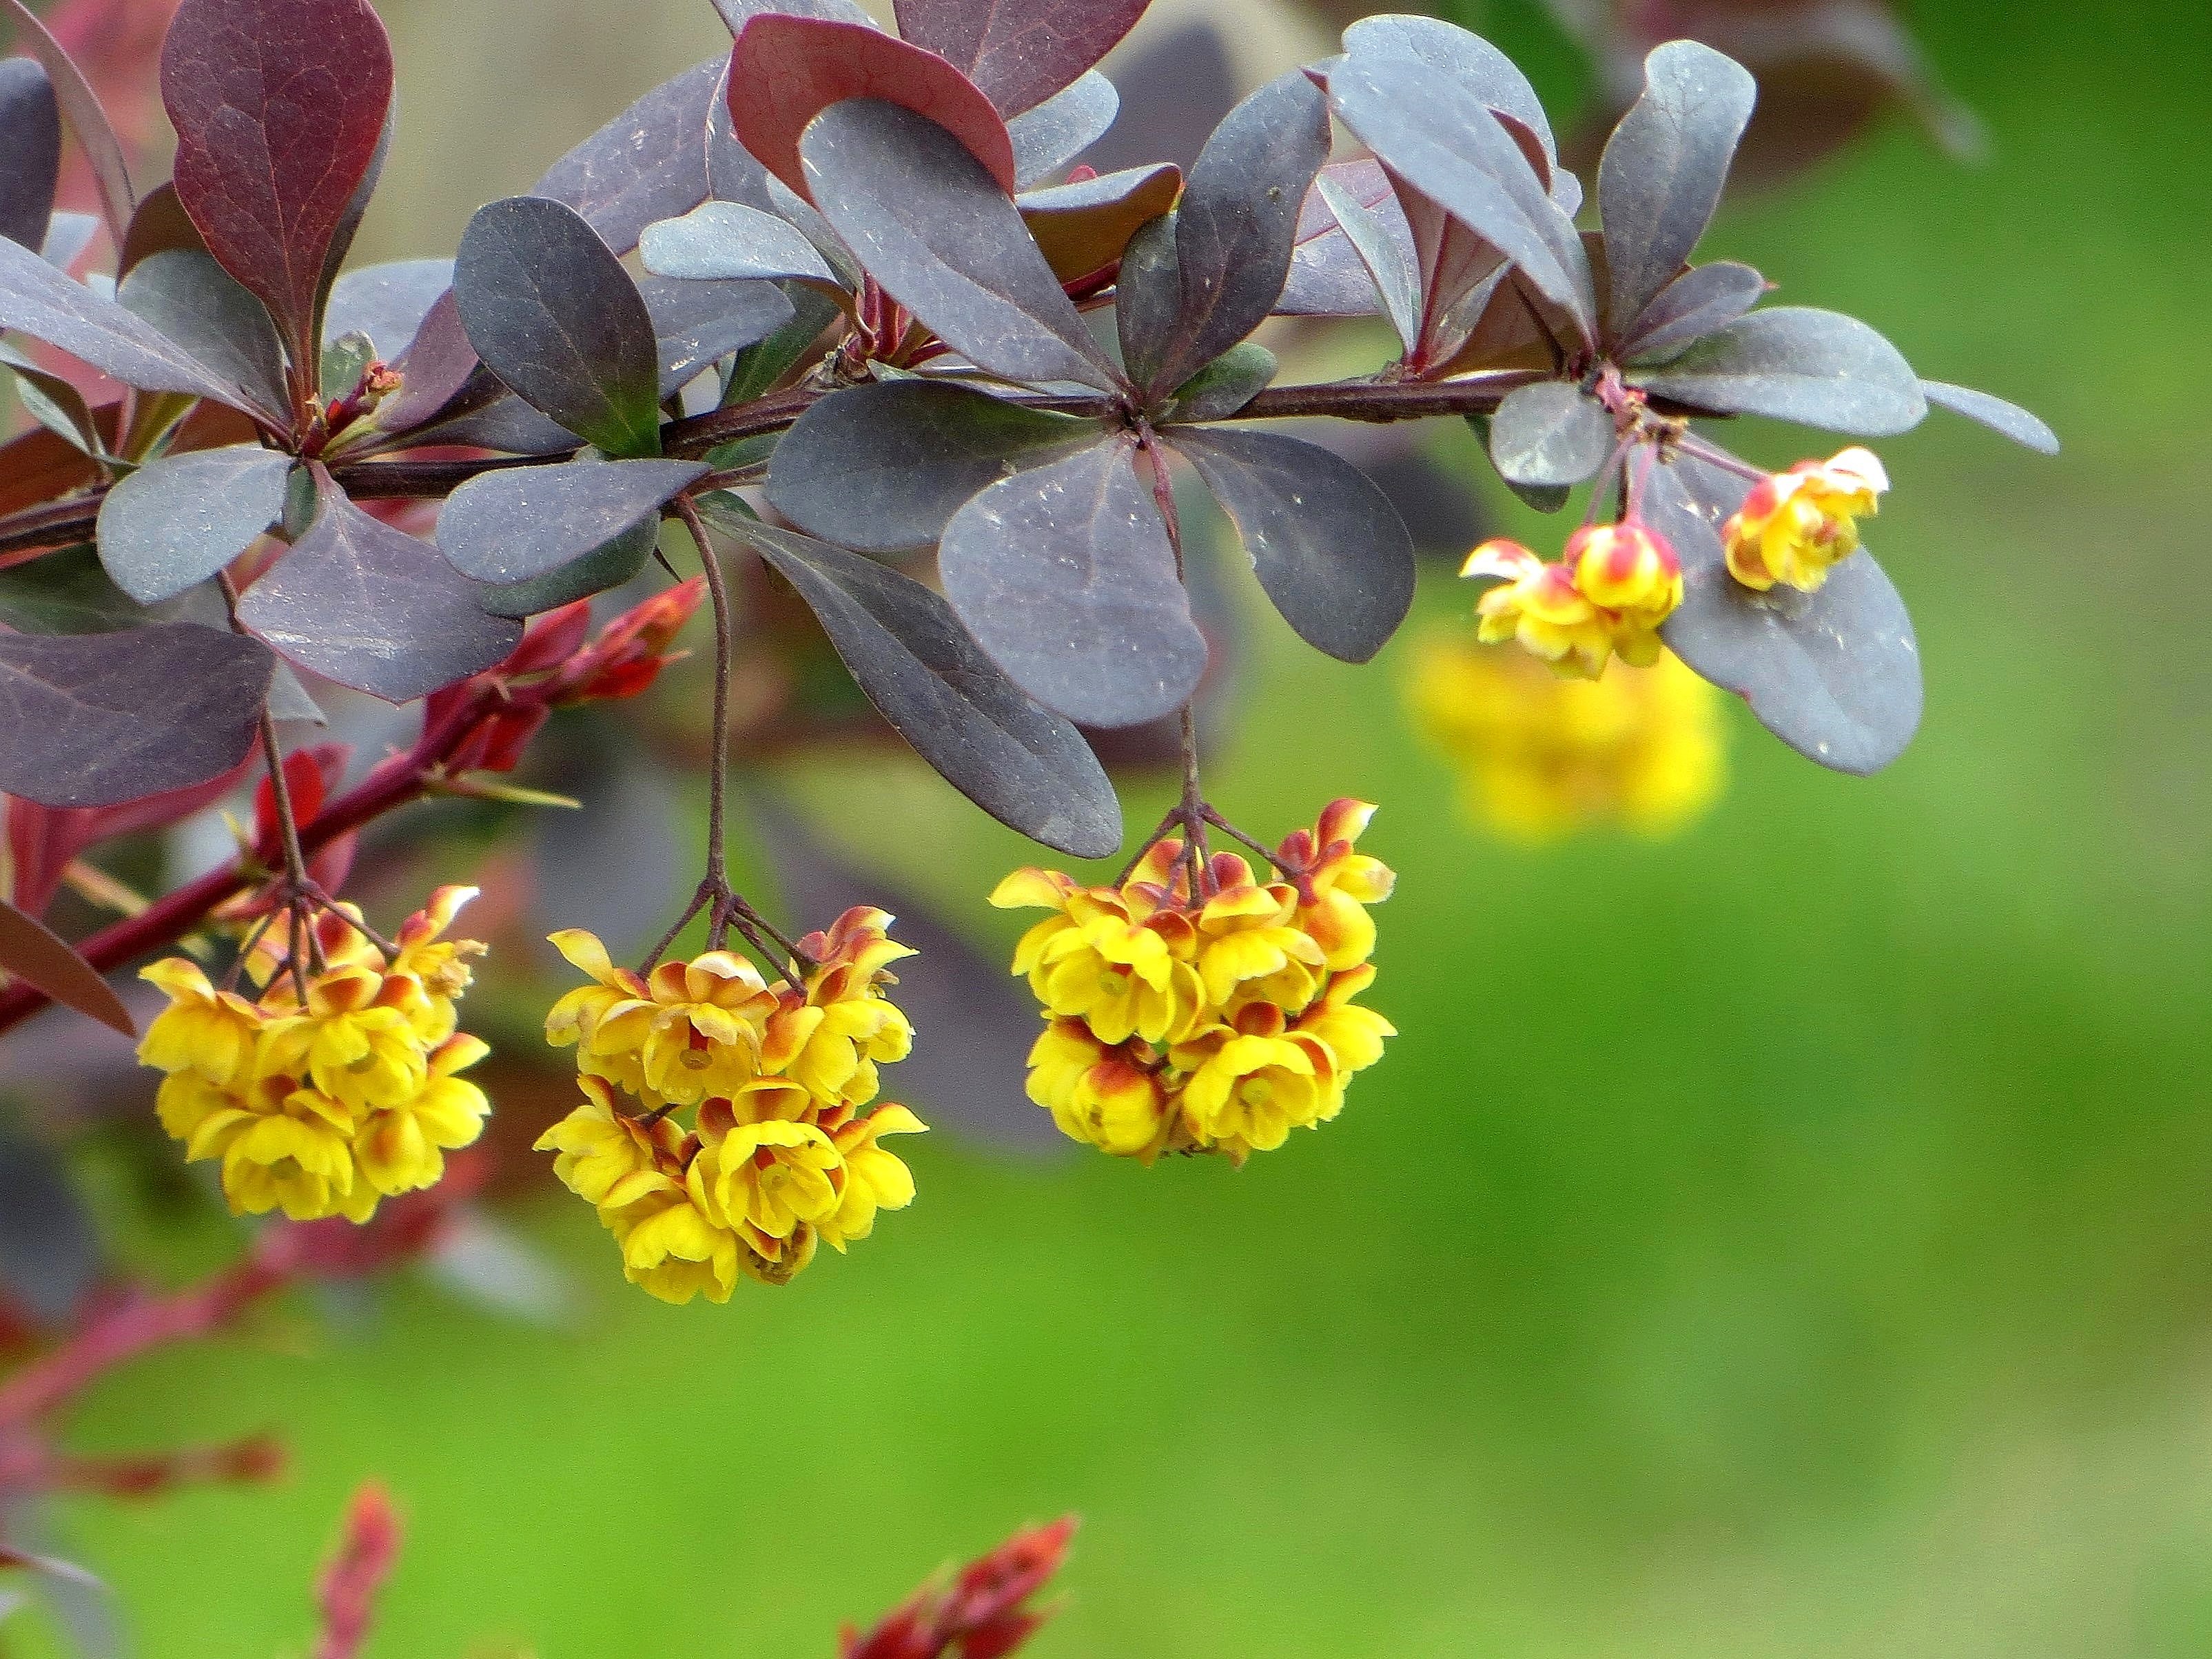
point(1606, 597)
point(1796, 526)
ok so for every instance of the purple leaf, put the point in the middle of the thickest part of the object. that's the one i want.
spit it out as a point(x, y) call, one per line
point(1668, 163)
point(160, 225)
point(1065, 574)
point(48, 306)
point(95, 719)
point(698, 324)
point(1050, 136)
point(934, 228)
point(196, 305)
point(1020, 762)
point(883, 468)
point(1083, 228)
point(1328, 277)
point(517, 523)
point(363, 604)
point(2010, 420)
point(722, 241)
point(1816, 368)
point(432, 370)
point(280, 109)
point(31, 139)
point(1835, 674)
point(1237, 221)
point(1384, 245)
point(1468, 59)
point(553, 313)
point(1327, 545)
point(88, 121)
point(388, 303)
point(176, 521)
point(32, 953)
point(1441, 137)
point(784, 71)
point(1691, 306)
point(647, 164)
point(1019, 51)
point(1551, 433)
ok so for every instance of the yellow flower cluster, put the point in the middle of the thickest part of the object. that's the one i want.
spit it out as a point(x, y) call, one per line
point(1217, 1021)
point(1796, 526)
point(779, 1155)
point(1542, 756)
point(324, 1105)
point(1606, 596)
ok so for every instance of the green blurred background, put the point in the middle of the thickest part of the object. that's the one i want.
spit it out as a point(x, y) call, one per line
point(1793, 1239)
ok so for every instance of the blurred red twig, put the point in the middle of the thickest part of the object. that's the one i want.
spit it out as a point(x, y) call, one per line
point(367, 1552)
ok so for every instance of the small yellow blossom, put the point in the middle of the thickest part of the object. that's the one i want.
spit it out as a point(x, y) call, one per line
point(1606, 597)
point(779, 1158)
point(323, 1105)
point(1253, 984)
point(1796, 526)
point(1542, 758)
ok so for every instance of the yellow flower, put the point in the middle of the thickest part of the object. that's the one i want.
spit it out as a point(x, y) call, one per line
point(699, 1034)
point(600, 1155)
point(1249, 1089)
point(1544, 757)
point(771, 1177)
point(297, 1158)
point(1796, 526)
point(671, 1249)
point(187, 1100)
point(206, 1032)
point(830, 1040)
point(1336, 883)
point(873, 1178)
point(1353, 1036)
point(1250, 944)
point(434, 971)
point(1540, 606)
point(356, 1046)
point(1630, 574)
point(403, 1148)
point(1097, 1093)
point(1113, 959)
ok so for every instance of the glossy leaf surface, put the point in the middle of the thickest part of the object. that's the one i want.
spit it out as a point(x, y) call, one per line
point(1691, 306)
point(176, 521)
point(1020, 762)
point(1048, 137)
point(520, 522)
point(1019, 51)
point(1663, 171)
point(937, 231)
point(48, 306)
point(698, 324)
point(1442, 139)
point(2009, 420)
point(720, 242)
point(196, 304)
point(387, 302)
point(552, 312)
point(1237, 219)
point(1817, 367)
point(1327, 545)
point(1551, 433)
point(280, 109)
point(360, 603)
point(31, 142)
point(1468, 60)
point(607, 566)
point(786, 70)
point(1065, 576)
point(883, 468)
point(1384, 257)
point(93, 719)
point(1835, 674)
point(647, 164)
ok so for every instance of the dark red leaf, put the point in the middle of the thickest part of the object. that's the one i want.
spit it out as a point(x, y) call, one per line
point(31, 953)
point(784, 71)
point(93, 719)
point(1019, 51)
point(280, 109)
point(1083, 228)
point(42, 841)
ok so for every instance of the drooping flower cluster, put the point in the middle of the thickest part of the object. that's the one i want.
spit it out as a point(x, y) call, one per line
point(1606, 596)
point(1542, 757)
point(1796, 526)
point(327, 1104)
point(779, 1155)
point(1213, 1021)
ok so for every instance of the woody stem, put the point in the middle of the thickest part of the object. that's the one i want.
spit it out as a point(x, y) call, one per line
point(717, 883)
